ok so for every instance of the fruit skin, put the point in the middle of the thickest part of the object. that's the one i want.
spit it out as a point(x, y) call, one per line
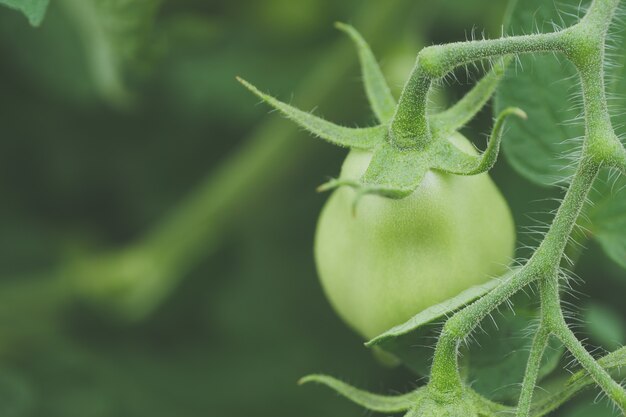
point(394, 258)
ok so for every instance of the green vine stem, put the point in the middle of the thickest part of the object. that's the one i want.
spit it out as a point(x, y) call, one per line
point(583, 44)
point(532, 371)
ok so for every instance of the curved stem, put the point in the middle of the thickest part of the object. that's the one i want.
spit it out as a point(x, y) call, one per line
point(439, 60)
point(445, 374)
point(410, 125)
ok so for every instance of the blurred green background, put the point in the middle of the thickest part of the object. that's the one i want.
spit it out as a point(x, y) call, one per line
point(129, 153)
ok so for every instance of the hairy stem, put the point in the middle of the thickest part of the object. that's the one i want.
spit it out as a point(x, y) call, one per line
point(410, 126)
point(532, 371)
point(614, 390)
point(552, 316)
point(550, 309)
point(544, 263)
point(445, 373)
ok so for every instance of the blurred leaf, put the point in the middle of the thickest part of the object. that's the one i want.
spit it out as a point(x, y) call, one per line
point(34, 10)
point(606, 326)
point(591, 408)
point(16, 396)
point(114, 33)
point(542, 86)
point(49, 59)
point(544, 148)
point(606, 216)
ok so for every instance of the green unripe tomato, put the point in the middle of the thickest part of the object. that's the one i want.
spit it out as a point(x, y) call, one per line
point(394, 258)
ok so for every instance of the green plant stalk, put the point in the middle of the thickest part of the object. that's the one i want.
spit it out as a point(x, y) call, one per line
point(583, 44)
point(611, 387)
point(532, 371)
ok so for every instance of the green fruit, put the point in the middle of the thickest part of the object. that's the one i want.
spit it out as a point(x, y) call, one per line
point(394, 258)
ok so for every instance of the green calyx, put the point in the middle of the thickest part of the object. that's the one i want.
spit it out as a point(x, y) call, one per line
point(403, 149)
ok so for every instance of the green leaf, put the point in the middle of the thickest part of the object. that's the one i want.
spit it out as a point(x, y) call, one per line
point(360, 138)
point(543, 85)
point(376, 88)
point(34, 10)
point(373, 402)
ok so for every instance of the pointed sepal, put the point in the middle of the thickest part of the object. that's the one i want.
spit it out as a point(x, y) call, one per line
point(368, 400)
point(359, 138)
point(451, 159)
point(465, 109)
point(376, 87)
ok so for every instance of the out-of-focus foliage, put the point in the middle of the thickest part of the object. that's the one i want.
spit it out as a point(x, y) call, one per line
point(80, 174)
point(34, 10)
